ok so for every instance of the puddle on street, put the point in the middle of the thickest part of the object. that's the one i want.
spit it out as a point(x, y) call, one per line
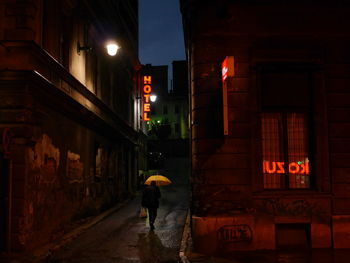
point(151, 249)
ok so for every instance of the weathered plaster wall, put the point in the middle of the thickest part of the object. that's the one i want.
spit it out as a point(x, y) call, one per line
point(71, 172)
point(255, 228)
point(71, 153)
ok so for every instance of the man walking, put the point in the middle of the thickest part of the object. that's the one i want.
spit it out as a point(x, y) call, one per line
point(150, 200)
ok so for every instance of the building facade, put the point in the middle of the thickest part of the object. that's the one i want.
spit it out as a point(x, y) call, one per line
point(270, 143)
point(167, 128)
point(72, 141)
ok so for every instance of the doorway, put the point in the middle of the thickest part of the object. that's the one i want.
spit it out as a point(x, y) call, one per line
point(3, 201)
point(293, 236)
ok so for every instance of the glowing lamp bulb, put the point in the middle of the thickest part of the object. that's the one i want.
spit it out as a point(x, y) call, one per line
point(153, 97)
point(112, 49)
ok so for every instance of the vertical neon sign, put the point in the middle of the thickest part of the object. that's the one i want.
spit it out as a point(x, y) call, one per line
point(227, 70)
point(147, 89)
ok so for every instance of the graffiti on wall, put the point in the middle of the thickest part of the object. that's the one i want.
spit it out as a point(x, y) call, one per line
point(75, 168)
point(44, 160)
point(235, 233)
point(101, 160)
point(298, 207)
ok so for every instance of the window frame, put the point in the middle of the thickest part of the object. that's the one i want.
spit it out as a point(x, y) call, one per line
point(286, 184)
point(315, 142)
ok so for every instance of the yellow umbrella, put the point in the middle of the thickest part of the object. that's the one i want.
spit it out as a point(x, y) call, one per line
point(160, 180)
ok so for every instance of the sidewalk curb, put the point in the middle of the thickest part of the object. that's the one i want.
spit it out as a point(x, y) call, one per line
point(45, 252)
point(186, 234)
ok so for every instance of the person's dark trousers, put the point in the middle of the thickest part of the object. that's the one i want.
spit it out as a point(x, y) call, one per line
point(152, 212)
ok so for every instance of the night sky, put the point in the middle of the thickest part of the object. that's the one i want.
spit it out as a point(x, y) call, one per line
point(160, 27)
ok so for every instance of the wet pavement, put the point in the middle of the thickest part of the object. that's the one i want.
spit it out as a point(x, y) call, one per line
point(123, 237)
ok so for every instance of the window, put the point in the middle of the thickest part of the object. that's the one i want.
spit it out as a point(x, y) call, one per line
point(285, 151)
point(284, 130)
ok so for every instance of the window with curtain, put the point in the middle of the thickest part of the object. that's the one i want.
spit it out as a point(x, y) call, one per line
point(285, 151)
point(285, 100)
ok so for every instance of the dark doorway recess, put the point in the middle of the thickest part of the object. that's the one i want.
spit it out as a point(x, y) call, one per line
point(3, 201)
point(293, 236)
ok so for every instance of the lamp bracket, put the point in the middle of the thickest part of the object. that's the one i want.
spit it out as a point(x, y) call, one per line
point(82, 48)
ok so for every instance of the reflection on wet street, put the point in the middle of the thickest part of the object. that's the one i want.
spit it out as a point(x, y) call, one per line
point(152, 250)
point(124, 237)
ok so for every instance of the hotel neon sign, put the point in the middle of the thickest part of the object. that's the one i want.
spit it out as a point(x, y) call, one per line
point(147, 89)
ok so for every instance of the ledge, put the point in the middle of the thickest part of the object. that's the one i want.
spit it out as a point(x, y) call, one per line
point(25, 60)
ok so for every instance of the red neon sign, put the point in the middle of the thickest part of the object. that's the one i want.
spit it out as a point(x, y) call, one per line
point(227, 68)
point(279, 167)
point(147, 89)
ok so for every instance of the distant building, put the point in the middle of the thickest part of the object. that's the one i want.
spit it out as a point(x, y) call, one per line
point(270, 168)
point(69, 115)
point(169, 113)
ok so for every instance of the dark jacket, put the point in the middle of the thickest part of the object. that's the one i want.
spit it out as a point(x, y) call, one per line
point(150, 197)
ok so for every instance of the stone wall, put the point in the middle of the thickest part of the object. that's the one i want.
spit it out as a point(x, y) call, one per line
point(228, 194)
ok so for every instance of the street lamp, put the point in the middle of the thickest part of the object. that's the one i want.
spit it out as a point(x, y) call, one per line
point(112, 48)
point(153, 97)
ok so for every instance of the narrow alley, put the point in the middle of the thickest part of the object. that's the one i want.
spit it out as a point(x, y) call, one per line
point(124, 237)
point(244, 107)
